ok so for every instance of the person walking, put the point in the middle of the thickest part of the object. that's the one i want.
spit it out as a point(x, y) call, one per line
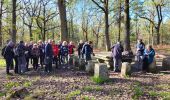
point(140, 47)
point(9, 55)
point(48, 56)
point(117, 50)
point(21, 57)
point(87, 50)
point(35, 55)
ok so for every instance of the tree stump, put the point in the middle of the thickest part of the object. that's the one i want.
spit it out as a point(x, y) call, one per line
point(166, 64)
point(90, 66)
point(101, 71)
point(75, 61)
point(152, 67)
point(126, 69)
point(82, 64)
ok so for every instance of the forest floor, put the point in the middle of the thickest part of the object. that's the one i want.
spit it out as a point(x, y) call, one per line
point(67, 84)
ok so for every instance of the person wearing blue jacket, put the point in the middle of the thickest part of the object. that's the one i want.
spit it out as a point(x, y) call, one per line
point(140, 47)
point(87, 50)
point(64, 53)
point(117, 50)
point(149, 55)
point(9, 55)
point(48, 56)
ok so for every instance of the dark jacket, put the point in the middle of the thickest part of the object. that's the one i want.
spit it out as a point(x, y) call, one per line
point(117, 50)
point(48, 51)
point(35, 52)
point(64, 50)
point(9, 53)
point(42, 49)
point(141, 48)
point(79, 48)
point(21, 49)
point(87, 49)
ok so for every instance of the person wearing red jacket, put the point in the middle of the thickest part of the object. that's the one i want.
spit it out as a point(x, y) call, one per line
point(71, 48)
point(55, 53)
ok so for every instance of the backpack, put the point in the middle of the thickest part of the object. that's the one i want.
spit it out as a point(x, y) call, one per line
point(3, 51)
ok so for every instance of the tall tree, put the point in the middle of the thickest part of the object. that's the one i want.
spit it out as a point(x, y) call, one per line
point(13, 34)
point(158, 5)
point(119, 18)
point(2, 2)
point(127, 26)
point(63, 20)
point(105, 9)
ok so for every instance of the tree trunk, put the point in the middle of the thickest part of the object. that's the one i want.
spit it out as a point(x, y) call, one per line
point(107, 32)
point(1, 23)
point(13, 34)
point(30, 30)
point(63, 20)
point(158, 35)
point(119, 23)
point(127, 27)
point(44, 24)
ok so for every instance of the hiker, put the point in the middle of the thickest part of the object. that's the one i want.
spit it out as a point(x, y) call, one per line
point(117, 50)
point(30, 48)
point(71, 48)
point(79, 49)
point(48, 56)
point(64, 54)
point(16, 59)
point(27, 55)
point(87, 50)
point(140, 53)
point(35, 55)
point(41, 47)
point(149, 54)
point(21, 57)
point(55, 52)
point(59, 55)
point(9, 55)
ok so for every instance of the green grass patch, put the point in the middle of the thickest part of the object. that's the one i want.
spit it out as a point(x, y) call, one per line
point(2, 94)
point(164, 95)
point(99, 80)
point(27, 84)
point(10, 85)
point(73, 94)
point(2, 63)
point(92, 88)
point(138, 91)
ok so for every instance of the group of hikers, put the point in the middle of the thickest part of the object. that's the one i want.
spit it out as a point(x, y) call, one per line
point(43, 53)
point(144, 56)
point(60, 53)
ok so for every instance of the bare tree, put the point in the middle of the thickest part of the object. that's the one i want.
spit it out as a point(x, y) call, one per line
point(31, 10)
point(105, 10)
point(156, 24)
point(44, 17)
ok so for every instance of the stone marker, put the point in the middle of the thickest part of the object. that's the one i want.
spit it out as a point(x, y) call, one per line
point(75, 61)
point(101, 70)
point(126, 69)
point(90, 66)
point(82, 64)
point(152, 67)
point(166, 64)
